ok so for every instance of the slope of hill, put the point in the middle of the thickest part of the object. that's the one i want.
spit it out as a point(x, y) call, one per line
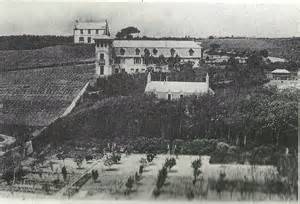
point(49, 56)
point(288, 48)
point(37, 97)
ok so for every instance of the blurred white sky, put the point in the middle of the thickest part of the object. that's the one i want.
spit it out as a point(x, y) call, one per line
point(197, 19)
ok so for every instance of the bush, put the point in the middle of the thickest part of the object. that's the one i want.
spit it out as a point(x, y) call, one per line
point(95, 175)
point(116, 158)
point(78, 160)
point(141, 169)
point(156, 192)
point(129, 184)
point(196, 164)
point(153, 145)
point(88, 157)
point(64, 173)
point(190, 194)
point(199, 147)
point(161, 178)
point(150, 157)
point(170, 162)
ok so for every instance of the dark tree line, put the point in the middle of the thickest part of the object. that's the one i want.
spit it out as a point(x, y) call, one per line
point(30, 42)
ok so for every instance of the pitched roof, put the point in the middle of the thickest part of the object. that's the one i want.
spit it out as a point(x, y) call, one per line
point(90, 25)
point(156, 43)
point(176, 86)
point(280, 71)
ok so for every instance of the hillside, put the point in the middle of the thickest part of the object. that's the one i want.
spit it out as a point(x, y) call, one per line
point(49, 56)
point(37, 97)
point(288, 48)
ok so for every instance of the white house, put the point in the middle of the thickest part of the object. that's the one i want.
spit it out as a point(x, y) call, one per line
point(85, 32)
point(172, 90)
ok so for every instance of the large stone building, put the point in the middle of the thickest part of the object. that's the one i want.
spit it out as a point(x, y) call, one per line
point(85, 32)
point(132, 56)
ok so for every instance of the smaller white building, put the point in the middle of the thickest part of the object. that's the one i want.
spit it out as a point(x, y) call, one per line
point(85, 32)
point(172, 90)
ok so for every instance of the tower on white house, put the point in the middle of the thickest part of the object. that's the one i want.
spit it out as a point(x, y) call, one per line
point(103, 51)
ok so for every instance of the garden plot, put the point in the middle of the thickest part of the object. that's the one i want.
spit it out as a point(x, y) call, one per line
point(178, 185)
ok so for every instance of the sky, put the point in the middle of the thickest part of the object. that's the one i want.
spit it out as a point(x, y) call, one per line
point(154, 19)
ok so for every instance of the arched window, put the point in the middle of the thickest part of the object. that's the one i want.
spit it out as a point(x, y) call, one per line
point(191, 51)
point(122, 51)
point(172, 51)
point(154, 51)
point(137, 51)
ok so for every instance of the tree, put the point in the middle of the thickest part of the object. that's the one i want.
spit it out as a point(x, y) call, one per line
point(214, 46)
point(161, 178)
point(126, 33)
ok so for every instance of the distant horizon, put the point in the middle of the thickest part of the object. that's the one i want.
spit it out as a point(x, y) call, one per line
point(199, 20)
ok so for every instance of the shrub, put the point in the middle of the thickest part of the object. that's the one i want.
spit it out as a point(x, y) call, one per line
point(64, 172)
point(88, 157)
point(141, 169)
point(156, 192)
point(129, 184)
point(196, 165)
point(199, 147)
point(143, 161)
point(146, 144)
point(78, 160)
point(150, 157)
point(46, 188)
point(190, 194)
point(161, 178)
point(170, 162)
point(136, 177)
point(116, 158)
point(95, 175)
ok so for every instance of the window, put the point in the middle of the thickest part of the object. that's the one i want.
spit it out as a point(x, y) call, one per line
point(89, 31)
point(154, 51)
point(117, 60)
point(137, 60)
point(81, 39)
point(169, 97)
point(116, 71)
point(81, 31)
point(89, 39)
point(146, 51)
point(191, 51)
point(136, 70)
point(101, 44)
point(122, 51)
point(101, 70)
point(132, 70)
point(102, 56)
point(137, 51)
point(172, 51)
point(97, 31)
point(181, 96)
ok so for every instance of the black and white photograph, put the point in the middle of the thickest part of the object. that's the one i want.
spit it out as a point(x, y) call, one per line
point(148, 101)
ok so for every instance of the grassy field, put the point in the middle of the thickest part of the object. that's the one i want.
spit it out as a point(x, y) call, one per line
point(48, 56)
point(111, 183)
point(288, 48)
point(38, 96)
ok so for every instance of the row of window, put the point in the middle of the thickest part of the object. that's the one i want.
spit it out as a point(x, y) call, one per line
point(102, 44)
point(123, 70)
point(154, 51)
point(89, 39)
point(97, 31)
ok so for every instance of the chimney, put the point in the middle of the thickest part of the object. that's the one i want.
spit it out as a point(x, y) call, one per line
point(207, 81)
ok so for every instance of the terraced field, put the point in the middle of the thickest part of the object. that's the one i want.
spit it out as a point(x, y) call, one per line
point(36, 97)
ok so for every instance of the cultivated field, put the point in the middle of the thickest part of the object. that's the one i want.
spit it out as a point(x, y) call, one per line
point(250, 182)
point(36, 97)
point(49, 56)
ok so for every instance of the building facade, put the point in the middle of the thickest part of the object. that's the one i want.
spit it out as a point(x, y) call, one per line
point(136, 56)
point(85, 32)
point(174, 90)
